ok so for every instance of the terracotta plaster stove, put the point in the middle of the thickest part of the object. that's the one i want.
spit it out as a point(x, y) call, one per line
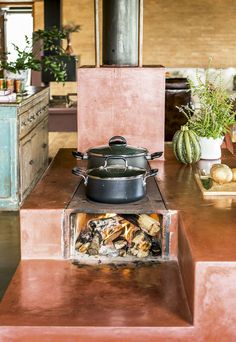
point(121, 97)
point(92, 271)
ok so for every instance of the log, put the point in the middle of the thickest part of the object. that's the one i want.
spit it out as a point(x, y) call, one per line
point(120, 243)
point(100, 224)
point(112, 234)
point(147, 223)
point(156, 247)
point(141, 245)
point(85, 236)
point(94, 245)
point(122, 252)
point(82, 248)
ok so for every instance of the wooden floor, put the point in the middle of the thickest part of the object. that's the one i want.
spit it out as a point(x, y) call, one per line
point(59, 140)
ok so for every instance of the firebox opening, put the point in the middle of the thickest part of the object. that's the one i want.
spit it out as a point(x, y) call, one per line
point(112, 237)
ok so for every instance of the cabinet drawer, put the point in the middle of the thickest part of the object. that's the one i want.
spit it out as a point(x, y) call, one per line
point(31, 118)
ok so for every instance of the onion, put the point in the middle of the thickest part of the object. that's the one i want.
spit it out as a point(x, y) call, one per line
point(234, 174)
point(221, 173)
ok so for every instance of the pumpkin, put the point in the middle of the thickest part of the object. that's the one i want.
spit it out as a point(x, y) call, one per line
point(186, 146)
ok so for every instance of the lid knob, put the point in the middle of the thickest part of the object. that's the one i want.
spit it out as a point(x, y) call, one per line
point(117, 140)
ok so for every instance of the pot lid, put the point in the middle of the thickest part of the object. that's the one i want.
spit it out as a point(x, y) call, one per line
point(116, 171)
point(117, 146)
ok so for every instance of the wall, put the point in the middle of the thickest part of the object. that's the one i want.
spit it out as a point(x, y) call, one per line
point(177, 33)
point(187, 32)
point(81, 12)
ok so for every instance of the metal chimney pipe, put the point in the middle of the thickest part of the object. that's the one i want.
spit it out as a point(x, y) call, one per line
point(120, 32)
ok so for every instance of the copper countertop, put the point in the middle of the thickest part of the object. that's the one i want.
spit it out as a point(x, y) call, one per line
point(209, 223)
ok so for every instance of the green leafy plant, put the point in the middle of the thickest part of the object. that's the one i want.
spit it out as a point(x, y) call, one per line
point(214, 115)
point(44, 42)
point(25, 59)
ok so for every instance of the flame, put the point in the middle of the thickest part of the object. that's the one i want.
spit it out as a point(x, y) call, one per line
point(130, 229)
point(112, 232)
point(107, 215)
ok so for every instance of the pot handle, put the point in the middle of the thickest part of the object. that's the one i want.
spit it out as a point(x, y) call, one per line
point(154, 155)
point(80, 172)
point(117, 140)
point(150, 173)
point(114, 157)
point(80, 155)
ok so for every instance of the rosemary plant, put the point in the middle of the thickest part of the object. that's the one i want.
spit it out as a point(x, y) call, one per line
point(214, 114)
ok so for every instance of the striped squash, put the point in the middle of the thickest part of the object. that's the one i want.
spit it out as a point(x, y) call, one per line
point(186, 146)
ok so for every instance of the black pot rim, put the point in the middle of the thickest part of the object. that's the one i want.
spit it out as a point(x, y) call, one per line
point(140, 173)
point(93, 154)
point(116, 178)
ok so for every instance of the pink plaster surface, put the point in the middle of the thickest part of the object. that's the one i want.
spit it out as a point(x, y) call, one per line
point(215, 301)
point(41, 233)
point(121, 101)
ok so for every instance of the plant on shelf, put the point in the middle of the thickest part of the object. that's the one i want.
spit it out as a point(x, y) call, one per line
point(46, 43)
point(68, 29)
point(213, 116)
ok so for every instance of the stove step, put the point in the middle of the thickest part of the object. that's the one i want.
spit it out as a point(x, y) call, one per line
point(138, 299)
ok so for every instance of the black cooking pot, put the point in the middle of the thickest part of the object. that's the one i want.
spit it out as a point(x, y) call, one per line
point(136, 156)
point(115, 183)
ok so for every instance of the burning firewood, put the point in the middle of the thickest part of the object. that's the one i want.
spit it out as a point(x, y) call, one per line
point(101, 224)
point(122, 252)
point(109, 251)
point(83, 241)
point(82, 248)
point(120, 243)
point(112, 234)
point(148, 224)
point(94, 245)
point(117, 235)
point(155, 247)
point(85, 236)
point(141, 245)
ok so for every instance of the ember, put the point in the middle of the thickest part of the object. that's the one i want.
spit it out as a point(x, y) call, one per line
point(114, 235)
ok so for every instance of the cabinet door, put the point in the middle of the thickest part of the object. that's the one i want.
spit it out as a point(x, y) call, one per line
point(33, 157)
point(39, 148)
point(26, 164)
point(8, 161)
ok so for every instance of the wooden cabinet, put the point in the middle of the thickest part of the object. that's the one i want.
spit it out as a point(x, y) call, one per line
point(23, 146)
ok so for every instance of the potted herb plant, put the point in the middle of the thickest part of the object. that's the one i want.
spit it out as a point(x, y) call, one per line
point(43, 52)
point(213, 116)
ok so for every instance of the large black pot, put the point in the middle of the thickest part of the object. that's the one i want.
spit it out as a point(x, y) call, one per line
point(135, 156)
point(115, 183)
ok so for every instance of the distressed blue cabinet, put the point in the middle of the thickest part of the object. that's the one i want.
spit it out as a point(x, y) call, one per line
point(23, 146)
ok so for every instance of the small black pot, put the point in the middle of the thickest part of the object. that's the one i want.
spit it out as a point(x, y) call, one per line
point(114, 183)
point(135, 156)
